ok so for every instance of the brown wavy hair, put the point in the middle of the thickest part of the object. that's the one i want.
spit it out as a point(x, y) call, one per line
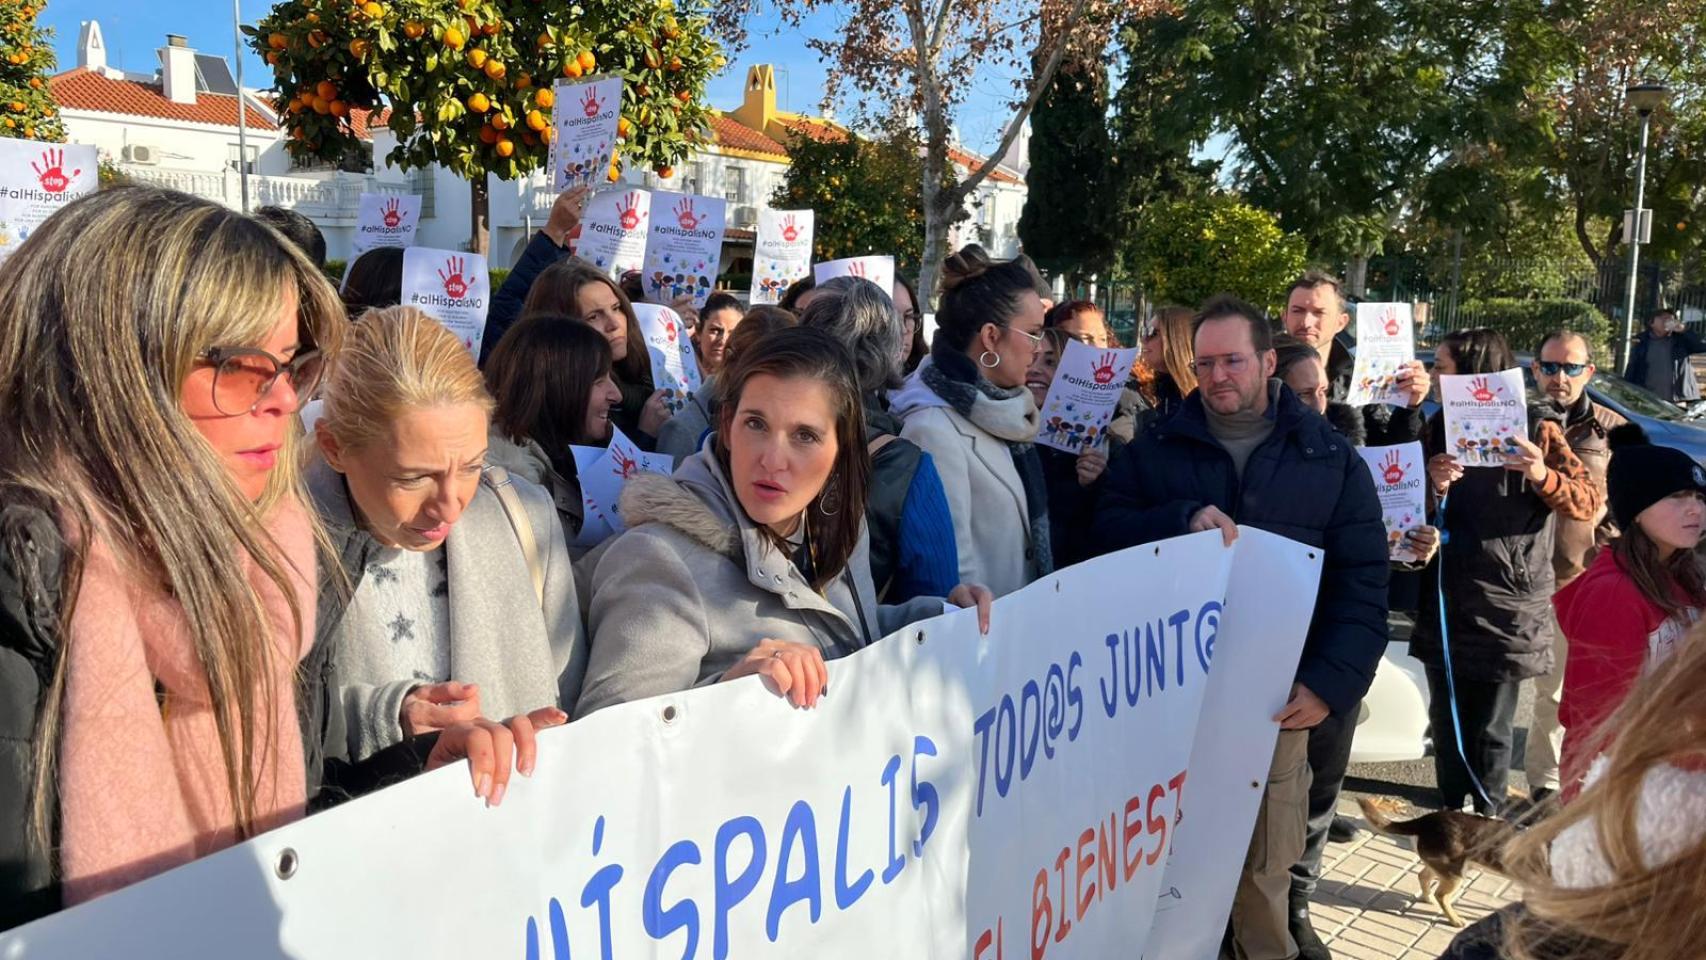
point(557, 290)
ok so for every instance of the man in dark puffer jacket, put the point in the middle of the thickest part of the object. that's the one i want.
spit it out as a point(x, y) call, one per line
point(1244, 449)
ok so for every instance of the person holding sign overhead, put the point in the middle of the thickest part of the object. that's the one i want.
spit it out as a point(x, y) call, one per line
point(548, 246)
point(968, 408)
point(753, 558)
point(1316, 314)
point(461, 601)
point(1496, 574)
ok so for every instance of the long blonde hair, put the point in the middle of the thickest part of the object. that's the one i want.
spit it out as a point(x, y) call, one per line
point(1650, 911)
point(1178, 346)
point(397, 359)
point(109, 305)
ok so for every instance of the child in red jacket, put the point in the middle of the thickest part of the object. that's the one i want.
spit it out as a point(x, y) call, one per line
point(1635, 603)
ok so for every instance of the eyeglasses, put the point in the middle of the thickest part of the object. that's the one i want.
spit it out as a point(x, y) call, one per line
point(1552, 368)
point(243, 376)
point(1234, 364)
point(911, 318)
point(1035, 338)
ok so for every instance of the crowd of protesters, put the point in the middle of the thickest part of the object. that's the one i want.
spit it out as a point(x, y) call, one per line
point(201, 435)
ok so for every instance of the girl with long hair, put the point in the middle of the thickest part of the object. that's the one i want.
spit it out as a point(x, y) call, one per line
point(1628, 611)
point(753, 557)
point(552, 381)
point(574, 288)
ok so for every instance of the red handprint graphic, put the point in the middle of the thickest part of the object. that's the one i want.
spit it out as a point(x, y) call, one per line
point(625, 465)
point(1103, 371)
point(51, 171)
point(684, 214)
point(1480, 392)
point(1391, 326)
point(590, 103)
point(628, 211)
point(391, 215)
point(790, 232)
point(856, 269)
point(669, 329)
point(1390, 471)
point(455, 285)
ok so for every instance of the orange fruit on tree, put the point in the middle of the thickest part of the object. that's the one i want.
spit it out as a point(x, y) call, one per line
point(322, 106)
point(546, 98)
point(488, 135)
point(316, 38)
point(535, 119)
point(338, 108)
point(479, 103)
point(500, 121)
point(454, 38)
point(666, 172)
point(683, 96)
point(544, 41)
point(572, 69)
point(358, 48)
point(623, 127)
point(547, 135)
point(588, 62)
point(675, 64)
point(506, 147)
point(373, 10)
point(615, 173)
point(414, 29)
point(523, 82)
point(272, 58)
point(326, 90)
point(278, 41)
point(491, 29)
point(530, 138)
point(476, 58)
point(35, 83)
point(495, 69)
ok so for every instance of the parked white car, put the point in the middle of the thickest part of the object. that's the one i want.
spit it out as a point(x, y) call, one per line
point(1393, 721)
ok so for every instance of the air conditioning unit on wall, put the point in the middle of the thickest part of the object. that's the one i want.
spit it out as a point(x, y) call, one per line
point(141, 153)
point(745, 217)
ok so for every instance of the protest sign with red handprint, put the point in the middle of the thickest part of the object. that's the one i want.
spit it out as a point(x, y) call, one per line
point(790, 232)
point(628, 209)
point(1390, 470)
point(455, 284)
point(684, 214)
point(1482, 392)
point(1103, 371)
point(590, 104)
point(391, 214)
point(50, 171)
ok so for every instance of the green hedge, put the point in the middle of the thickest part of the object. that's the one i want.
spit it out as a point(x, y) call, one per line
point(1524, 322)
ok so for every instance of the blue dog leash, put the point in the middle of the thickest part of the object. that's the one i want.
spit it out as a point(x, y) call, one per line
point(1450, 674)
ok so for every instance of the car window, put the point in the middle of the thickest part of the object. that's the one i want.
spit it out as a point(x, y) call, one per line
point(1635, 398)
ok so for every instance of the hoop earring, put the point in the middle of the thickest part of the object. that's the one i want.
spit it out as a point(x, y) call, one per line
point(983, 359)
point(829, 502)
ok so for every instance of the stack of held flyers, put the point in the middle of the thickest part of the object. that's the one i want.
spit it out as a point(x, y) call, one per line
point(603, 472)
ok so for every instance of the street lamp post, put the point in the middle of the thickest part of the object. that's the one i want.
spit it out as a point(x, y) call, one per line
point(1645, 98)
point(242, 125)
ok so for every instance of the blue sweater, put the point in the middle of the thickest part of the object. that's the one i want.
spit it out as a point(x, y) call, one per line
point(929, 561)
point(506, 305)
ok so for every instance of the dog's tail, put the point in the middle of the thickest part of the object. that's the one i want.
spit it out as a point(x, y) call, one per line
point(1380, 823)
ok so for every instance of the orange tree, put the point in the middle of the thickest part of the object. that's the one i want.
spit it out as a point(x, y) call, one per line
point(468, 83)
point(27, 110)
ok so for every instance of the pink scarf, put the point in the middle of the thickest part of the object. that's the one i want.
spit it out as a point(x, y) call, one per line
point(143, 788)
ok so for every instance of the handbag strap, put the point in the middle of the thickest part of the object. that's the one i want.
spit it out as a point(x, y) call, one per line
point(499, 480)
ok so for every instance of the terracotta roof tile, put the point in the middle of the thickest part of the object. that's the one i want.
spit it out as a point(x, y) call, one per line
point(81, 89)
point(816, 129)
point(971, 160)
point(738, 136)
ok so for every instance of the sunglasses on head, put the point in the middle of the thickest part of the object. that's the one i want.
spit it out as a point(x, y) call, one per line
point(1552, 368)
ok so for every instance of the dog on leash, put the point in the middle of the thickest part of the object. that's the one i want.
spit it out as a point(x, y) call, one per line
point(1447, 841)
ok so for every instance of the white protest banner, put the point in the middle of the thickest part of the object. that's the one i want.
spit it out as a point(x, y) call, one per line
point(450, 286)
point(683, 247)
point(1386, 342)
point(1485, 414)
point(1398, 472)
point(675, 368)
point(952, 796)
point(385, 220)
point(1081, 400)
point(614, 228)
point(878, 270)
point(585, 115)
point(782, 253)
point(36, 179)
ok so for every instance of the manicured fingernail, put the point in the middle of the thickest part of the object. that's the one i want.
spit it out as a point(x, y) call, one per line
point(526, 768)
point(484, 786)
point(497, 795)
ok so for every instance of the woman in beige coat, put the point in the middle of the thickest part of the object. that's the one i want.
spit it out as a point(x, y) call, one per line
point(753, 558)
point(967, 406)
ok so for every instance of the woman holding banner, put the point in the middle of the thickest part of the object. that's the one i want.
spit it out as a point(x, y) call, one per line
point(462, 601)
point(551, 380)
point(753, 558)
point(968, 408)
point(1492, 581)
point(156, 563)
point(906, 510)
point(575, 288)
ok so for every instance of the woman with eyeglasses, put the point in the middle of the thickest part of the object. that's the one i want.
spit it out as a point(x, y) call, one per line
point(157, 565)
point(912, 345)
point(461, 602)
point(968, 408)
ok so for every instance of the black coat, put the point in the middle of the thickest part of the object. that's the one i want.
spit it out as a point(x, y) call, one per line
point(1071, 506)
point(1498, 572)
point(30, 601)
point(1683, 385)
point(506, 305)
point(1305, 482)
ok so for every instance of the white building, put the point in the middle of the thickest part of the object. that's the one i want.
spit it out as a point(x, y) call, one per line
point(177, 127)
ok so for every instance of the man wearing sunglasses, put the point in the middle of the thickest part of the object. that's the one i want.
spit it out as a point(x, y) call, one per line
point(1562, 369)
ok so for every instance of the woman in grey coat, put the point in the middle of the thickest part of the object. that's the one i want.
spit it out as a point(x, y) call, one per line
point(753, 558)
point(461, 601)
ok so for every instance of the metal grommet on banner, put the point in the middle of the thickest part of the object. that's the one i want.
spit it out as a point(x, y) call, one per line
point(921, 638)
point(669, 713)
point(1158, 551)
point(1311, 554)
point(287, 863)
point(1057, 586)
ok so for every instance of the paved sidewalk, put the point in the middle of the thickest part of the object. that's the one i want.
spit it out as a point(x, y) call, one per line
point(1369, 903)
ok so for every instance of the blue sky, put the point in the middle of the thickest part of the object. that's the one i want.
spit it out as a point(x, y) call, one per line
point(134, 29)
